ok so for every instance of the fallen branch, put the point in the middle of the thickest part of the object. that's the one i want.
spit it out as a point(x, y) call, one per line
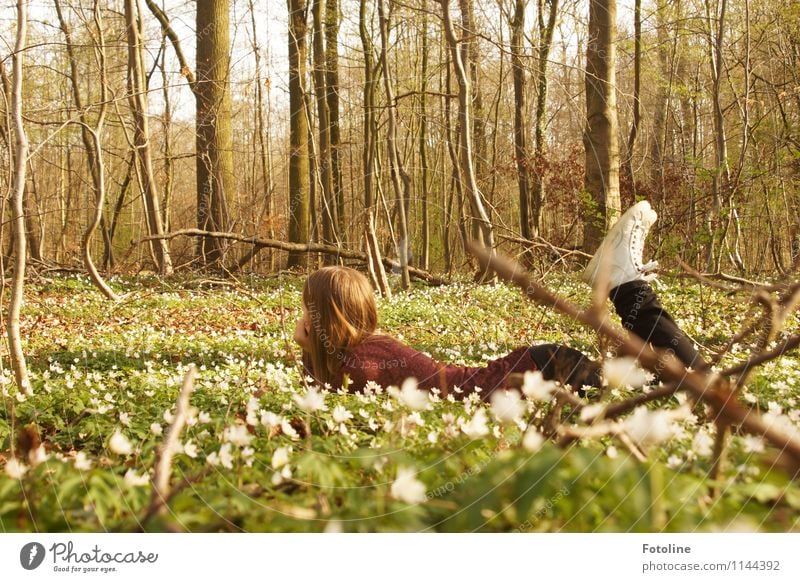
point(292, 247)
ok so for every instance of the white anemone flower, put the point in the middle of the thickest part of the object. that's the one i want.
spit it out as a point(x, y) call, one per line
point(133, 479)
point(280, 457)
point(535, 387)
point(82, 462)
point(533, 440)
point(312, 401)
point(341, 414)
point(410, 395)
point(624, 372)
point(119, 444)
point(15, 469)
point(476, 427)
point(507, 405)
point(407, 488)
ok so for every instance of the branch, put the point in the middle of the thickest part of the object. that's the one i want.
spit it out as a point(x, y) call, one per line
point(293, 247)
point(712, 389)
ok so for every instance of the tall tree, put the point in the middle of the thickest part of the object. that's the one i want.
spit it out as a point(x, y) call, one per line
point(298, 129)
point(403, 192)
point(369, 155)
point(546, 28)
point(16, 354)
point(332, 82)
point(137, 99)
point(324, 159)
point(521, 152)
point(214, 156)
point(600, 136)
point(482, 230)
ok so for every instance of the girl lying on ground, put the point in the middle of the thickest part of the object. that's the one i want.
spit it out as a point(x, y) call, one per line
point(339, 337)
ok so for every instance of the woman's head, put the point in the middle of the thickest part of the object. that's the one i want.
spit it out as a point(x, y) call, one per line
point(338, 313)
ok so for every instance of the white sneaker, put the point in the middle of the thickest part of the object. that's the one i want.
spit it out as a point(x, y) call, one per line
point(620, 253)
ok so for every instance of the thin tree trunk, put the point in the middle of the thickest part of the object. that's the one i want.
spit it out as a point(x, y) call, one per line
point(543, 58)
point(369, 154)
point(332, 96)
point(298, 140)
point(423, 145)
point(520, 125)
point(16, 356)
point(482, 229)
point(398, 173)
point(637, 74)
point(137, 98)
point(324, 161)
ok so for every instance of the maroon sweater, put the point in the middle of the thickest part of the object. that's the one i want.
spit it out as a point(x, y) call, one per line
point(388, 362)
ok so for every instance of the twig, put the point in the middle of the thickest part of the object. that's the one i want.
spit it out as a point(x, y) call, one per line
point(166, 452)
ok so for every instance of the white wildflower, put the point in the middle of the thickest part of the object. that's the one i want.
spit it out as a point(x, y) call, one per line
point(237, 434)
point(156, 429)
point(225, 456)
point(125, 418)
point(82, 462)
point(15, 469)
point(280, 457)
point(507, 405)
point(533, 440)
point(535, 387)
point(476, 427)
point(119, 444)
point(133, 479)
point(168, 416)
point(312, 401)
point(341, 414)
point(410, 395)
point(204, 417)
point(646, 427)
point(190, 449)
point(407, 488)
point(753, 444)
point(623, 372)
point(702, 443)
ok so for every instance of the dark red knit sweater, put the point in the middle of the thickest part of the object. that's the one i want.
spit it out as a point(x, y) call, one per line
point(388, 362)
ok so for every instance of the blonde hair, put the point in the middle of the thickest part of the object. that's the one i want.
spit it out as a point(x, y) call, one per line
point(341, 305)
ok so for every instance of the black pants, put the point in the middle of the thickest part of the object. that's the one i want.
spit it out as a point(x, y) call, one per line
point(641, 313)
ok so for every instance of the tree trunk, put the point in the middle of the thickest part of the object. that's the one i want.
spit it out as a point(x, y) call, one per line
point(324, 161)
point(332, 96)
point(600, 136)
point(543, 57)
point(423, 147)
point(520, 126)
point(637, 74)
point(482, 228)
point(369, 153)
point(16, 355)
point(298, 139)
point(137, 98)
point(402, 192)
point(215, 176)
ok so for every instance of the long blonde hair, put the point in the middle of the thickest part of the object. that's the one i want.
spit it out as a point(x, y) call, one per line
point(341, 305)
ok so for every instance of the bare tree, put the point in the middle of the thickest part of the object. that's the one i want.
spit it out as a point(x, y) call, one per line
point(298, 140)
point(482, 229)
point(600, 137)
point(137, 99)
point(16, 355)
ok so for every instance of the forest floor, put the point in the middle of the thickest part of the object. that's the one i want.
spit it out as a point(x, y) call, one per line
point(106, 377)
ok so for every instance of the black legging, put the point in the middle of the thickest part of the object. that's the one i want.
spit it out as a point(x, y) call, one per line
point(641, 313)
